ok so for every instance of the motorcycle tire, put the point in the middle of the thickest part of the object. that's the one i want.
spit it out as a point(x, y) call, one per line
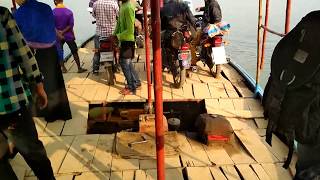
point(110, 75)
point(179, 77)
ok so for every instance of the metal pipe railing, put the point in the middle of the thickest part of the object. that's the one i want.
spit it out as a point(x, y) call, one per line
point(147, 50)
point(288, 15)
point(261, 49)
point(157, 65)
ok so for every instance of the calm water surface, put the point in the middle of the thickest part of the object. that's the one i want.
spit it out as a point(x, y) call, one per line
point(242, 15)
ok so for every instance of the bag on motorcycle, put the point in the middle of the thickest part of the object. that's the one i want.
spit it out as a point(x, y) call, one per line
point(291, 98)
point(127, 49)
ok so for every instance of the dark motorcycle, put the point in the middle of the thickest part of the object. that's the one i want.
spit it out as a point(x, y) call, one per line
point(176, 53)
point(107, 56)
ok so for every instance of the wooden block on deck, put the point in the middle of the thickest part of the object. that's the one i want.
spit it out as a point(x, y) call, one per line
point(276, 171)
point(103, 155)
point(217, 173)
point(57, 148)
point(201, 91)
point(261, 173)
point(78, 124)
point(20, 171)
point(217, 90)
point(246, 172)
point(253, 144)
point(93, 176)
point(196, 173)
point(124, 164)
point(230, 172)
point(80, 155)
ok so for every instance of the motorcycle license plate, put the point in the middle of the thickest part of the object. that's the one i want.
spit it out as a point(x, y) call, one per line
point(185, 57)
point(106, 56)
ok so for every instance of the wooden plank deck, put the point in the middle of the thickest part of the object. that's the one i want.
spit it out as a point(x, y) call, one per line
point(76, 155)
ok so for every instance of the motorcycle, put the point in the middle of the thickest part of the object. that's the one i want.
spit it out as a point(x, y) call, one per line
point(107, 56)
point(176, 53)
point(211, 49)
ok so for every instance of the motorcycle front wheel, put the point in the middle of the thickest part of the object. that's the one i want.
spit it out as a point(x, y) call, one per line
point(179, 77)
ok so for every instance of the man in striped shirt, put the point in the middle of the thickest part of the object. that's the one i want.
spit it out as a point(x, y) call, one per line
point(105, 12)
point(18, 69)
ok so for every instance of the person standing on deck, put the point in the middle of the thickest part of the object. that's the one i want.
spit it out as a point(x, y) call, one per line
point(64, 22)
point(18, 69)
point(105, 12)
point(125, 34)
point(36, 22)
point(212, 15)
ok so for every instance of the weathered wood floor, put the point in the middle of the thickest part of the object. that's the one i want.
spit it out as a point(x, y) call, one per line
point(75, 155)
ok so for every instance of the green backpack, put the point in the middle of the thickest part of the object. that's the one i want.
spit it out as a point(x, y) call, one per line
point(291, 98)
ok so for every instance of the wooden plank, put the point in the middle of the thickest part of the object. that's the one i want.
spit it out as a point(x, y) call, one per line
point(102, 92)
point(89, 92)
point(170, 162)
point(231, 91)
point(117, 175)
point(64, 177)
point(57, 148)
point(75, 78)
point(237, 153)
point(20, 171)
point(177, 93)
point(276, 171)
point(54, 128)
point(278, 148)
point(75, 92)
point(243, 89)
point(231, 73)
point(195, 173)
point(103, 156)
point(246, 172)
point(114, 94)
point(128, 175)
point(166, 92)
point(201, 91)
point(217, 173)
point(140, 175)
point(239, 104)
point(217, 154)
point(188, 91)
point(200, 157)
point(124, 164)
point(212, 104)
point(92, 176)
point(254, 104)
point(255, 147)
point(80, 155)
point(261, 173)
point(217, 90)
point(78, 124)
point(261, 123)
point(175, 174)
point(144, 91)
point(230, 172)
point(261, 132)
point(239, 123)
point(226, 104)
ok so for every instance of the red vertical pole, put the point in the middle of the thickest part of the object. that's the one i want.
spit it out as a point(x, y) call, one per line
point(288, 15)
point(147, 48)
point(157, 64)
point(259, 44)
point(266, 21)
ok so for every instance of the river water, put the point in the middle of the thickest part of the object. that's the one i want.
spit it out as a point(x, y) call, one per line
point(242, 15)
